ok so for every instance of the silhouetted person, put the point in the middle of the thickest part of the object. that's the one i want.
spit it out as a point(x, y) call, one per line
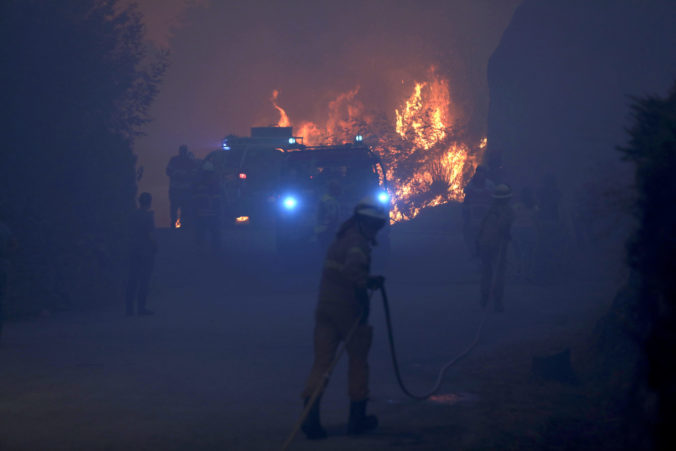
point(475, 205)
point(494, 236)
point(142, 250)
point(206, 200)
point(7, 245)
point(343, 305)
point(180, 171)
point(328, 215)
point(525, 233)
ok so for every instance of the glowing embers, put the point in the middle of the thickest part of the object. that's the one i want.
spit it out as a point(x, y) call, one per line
point(439, 180)
point(242, 220)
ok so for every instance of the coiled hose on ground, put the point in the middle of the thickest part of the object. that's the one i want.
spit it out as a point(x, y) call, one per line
point(395, 363)
point(443, 370)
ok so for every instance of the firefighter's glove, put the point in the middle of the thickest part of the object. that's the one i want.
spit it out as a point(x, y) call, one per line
point(375, 282)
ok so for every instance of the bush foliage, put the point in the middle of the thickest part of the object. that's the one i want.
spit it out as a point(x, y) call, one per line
point(76, 86)
point(652, 249)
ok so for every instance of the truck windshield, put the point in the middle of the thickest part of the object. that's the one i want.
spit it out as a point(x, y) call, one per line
point(356, 175)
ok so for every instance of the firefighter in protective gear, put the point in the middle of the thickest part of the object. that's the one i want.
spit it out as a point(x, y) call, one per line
point(344, 302)
point(180, 172)
point(494, 236)
point(476, 204)
point(328, 215)
point(206, 200)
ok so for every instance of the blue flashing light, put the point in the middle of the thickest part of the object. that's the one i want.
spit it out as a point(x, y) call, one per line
point(290, 203)
point(225, 145)
point(359, 138)
point(292, 140)
point(383, 197)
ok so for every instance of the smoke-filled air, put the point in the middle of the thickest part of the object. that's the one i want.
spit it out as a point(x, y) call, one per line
point(428, 158)
point(325, 225)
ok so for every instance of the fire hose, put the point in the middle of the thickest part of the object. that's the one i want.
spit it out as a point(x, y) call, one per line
point(443, 370)
point(395, 363)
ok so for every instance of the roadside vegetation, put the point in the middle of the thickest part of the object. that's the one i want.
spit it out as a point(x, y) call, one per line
point(77, 81)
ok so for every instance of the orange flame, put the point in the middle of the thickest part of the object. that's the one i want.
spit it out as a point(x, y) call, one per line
point(346, 119)
point(178, 223)
point(443, 164)
point(425, 121)
point(428, 162)
point(283, 117)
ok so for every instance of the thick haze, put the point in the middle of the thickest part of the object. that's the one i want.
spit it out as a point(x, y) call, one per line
point(226, 59)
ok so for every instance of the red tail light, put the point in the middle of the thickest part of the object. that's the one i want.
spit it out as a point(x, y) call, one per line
point(242, 176)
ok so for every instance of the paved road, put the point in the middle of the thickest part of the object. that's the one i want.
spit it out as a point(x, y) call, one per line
point(221, 364)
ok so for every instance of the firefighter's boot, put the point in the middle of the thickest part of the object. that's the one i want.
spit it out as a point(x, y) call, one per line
point(312, 427)
point(360, 422)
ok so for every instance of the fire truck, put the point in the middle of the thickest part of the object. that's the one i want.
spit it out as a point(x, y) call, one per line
point(272, 179)
point(305, 175)
point(248, 170)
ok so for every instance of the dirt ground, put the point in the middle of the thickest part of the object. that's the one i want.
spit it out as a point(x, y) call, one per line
point(222, 362)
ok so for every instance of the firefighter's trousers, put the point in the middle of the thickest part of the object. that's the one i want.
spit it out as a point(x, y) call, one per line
point(493, 267)
point(332, 326)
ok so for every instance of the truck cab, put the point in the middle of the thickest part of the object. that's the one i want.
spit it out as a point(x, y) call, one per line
point(249, 169)
point(304, 178)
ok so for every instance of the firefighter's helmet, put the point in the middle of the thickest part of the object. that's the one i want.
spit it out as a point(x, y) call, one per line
point(370, 208)
point(502, 191)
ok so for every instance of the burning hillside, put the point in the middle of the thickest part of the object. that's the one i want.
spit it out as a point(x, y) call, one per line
point(428, 160)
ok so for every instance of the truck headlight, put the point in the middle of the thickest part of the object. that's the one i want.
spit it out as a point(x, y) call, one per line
point(383, 197)
point(289, 203)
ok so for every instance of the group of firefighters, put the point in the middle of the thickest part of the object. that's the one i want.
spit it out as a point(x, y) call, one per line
point(195, 191)
point(536, 232)
point(490, 222)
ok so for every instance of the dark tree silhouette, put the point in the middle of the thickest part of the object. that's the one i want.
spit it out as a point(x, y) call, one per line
point(652, 249)
point(76, 85)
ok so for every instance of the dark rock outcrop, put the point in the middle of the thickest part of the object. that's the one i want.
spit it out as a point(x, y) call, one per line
point(560, 80)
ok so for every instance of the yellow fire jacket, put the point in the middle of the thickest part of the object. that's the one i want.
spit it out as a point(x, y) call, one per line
point(346, 271)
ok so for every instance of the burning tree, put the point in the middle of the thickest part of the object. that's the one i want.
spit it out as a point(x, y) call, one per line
point(428, 160)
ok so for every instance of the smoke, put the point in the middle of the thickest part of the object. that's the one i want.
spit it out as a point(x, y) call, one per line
point(226, 58)
point(163, 18)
